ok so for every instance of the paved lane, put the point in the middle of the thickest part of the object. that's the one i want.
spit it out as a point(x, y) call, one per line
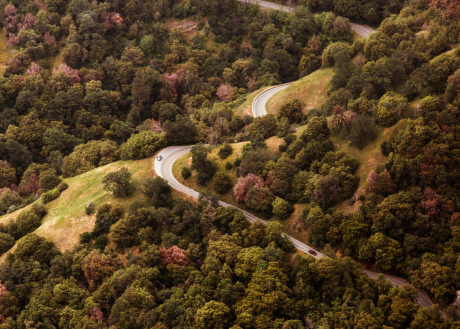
point(362, 30)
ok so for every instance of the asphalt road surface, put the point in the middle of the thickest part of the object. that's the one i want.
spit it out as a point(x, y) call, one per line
point(170, 154)
point(164, 169)
point(362, 30)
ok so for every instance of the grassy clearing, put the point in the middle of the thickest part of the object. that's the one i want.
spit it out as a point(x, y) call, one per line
point(369, 157)
point(246, 107)
point(66, 218)
point(311, 91)
point(6, 52)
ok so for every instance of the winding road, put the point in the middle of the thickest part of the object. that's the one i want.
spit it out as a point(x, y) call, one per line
point(169, 155)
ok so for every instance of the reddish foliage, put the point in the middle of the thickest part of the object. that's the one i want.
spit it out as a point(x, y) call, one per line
point(244, 183)
point(14, 187)
point(97, 267)
point(13, 39)
point(30, 20)
point(224, 92)
point(32, 186)
point(451, 8)
point(73, 74)
point(429, 194)
point(111, 18)
point(174, 255)
point(270, 178)
point(431, 207)
point(445, 128)
point(20, 61)
point(382, 183)
point(10, 10)
point(2, 319)
point(97, 315)
point(50, 41)
point(33, 69)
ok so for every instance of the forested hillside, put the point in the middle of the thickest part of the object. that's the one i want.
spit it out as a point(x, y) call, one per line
point(85, 84)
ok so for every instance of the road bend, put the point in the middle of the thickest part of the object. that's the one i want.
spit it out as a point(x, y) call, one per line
point(170, 154)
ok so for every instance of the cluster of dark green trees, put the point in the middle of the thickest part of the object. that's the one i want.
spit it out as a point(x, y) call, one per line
point(209, 268)
point(126, 87)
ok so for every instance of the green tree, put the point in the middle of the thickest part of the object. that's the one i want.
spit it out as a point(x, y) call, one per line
point(157, 191)
point(6, 242)
point(119, 183)
point(387, 109)
point(316, 130)
point(142, 145)
point(212, 315)
point(221, 182)
point(282, 208)
point(290, 109)
point(7, 174)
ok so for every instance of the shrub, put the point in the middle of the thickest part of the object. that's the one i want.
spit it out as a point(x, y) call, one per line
point(89, 209)
point(62, 187)
point(247, 119)
point(351, 202)
point(282, 148)
point(221, 182)
point(237, 162)
point(385, 147)
point(225, 151)
point(85, 237)
point(362, 197)
point(39, 209)
point(28, 221)
point(228, 165)
point(186, 172)
point(50, 196)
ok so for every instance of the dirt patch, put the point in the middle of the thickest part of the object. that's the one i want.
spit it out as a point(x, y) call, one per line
point(189, 28)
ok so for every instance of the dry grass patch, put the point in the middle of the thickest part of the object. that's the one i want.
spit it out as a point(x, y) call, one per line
point(6, 52)
point(66, 218)
point(293, 225)
point(369, 157)
point(311, 91)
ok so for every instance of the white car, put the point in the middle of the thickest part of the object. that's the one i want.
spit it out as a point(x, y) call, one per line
point(159, 157)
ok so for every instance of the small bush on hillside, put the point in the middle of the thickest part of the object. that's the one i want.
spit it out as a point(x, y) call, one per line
point(85, 237)
point(89, 209)
point(28, 221)
point(62, 187)
point(237, 162)
point(228, 165)
point(39, 209)
point(50, 196)
point(186, 172)
point(221, 182)
point(282, 147)
point(225, 151)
